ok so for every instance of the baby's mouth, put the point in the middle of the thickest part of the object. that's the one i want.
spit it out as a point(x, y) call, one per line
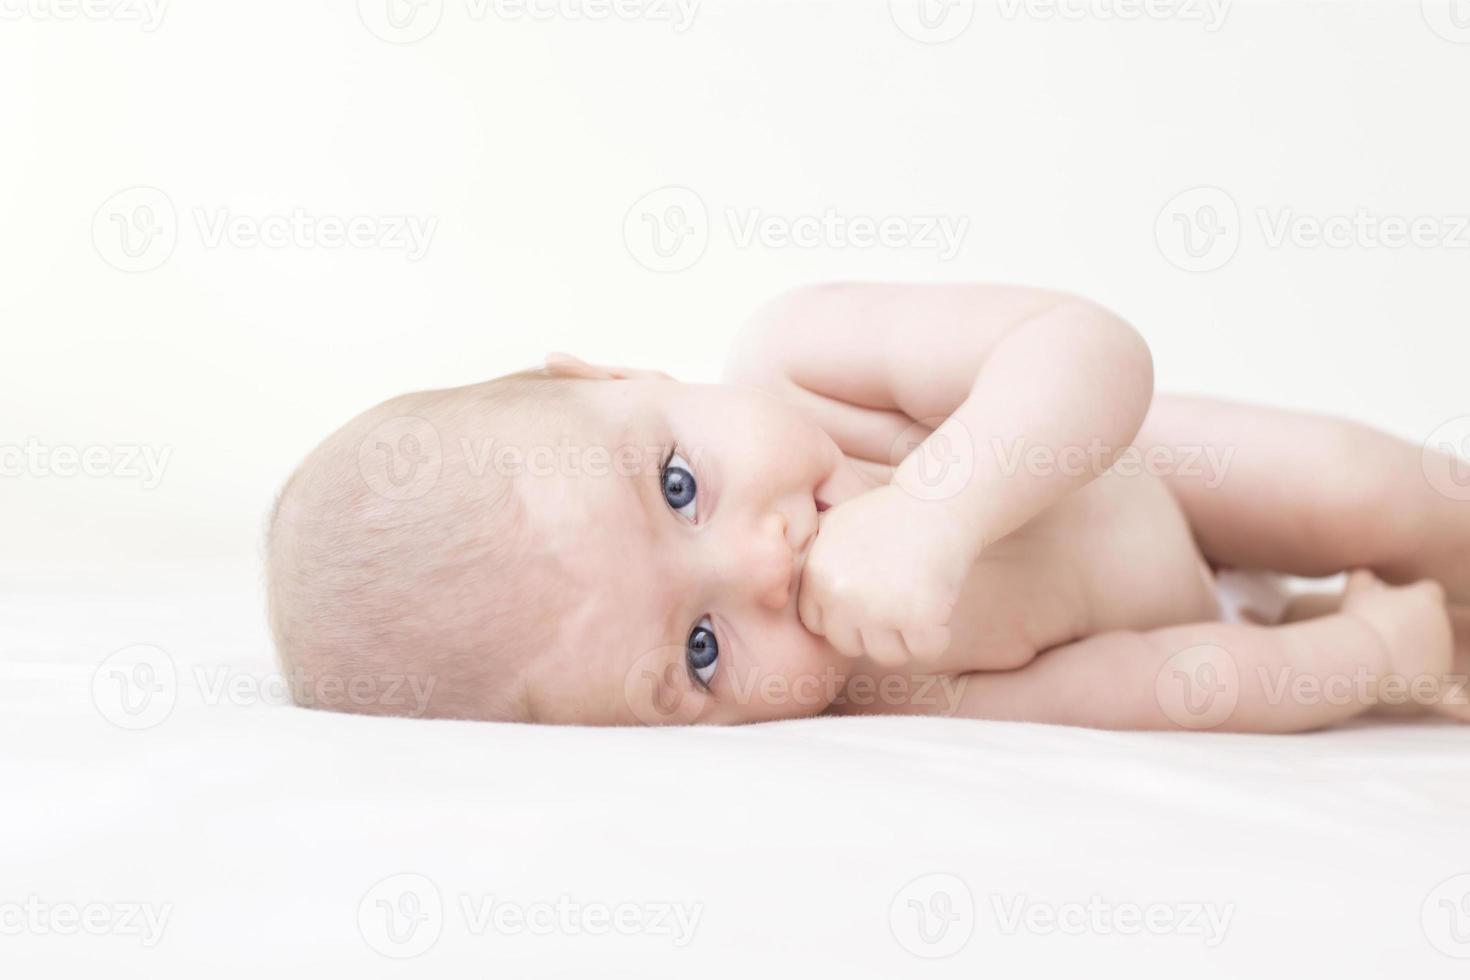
point(821, 504)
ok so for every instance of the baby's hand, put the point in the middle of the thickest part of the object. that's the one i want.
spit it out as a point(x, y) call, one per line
point(883, 576)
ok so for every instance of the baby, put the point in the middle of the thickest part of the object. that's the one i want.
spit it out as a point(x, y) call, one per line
point(960, 499)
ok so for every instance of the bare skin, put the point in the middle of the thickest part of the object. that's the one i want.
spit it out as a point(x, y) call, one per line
point(1077, 588)
point(966, 500)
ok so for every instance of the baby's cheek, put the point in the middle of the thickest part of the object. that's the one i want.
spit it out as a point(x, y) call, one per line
point(811, 670)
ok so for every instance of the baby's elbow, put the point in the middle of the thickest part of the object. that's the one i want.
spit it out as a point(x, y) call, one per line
point(1118, 348)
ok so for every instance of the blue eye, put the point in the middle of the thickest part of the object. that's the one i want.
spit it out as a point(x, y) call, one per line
point(678, 486)
point(702, 652)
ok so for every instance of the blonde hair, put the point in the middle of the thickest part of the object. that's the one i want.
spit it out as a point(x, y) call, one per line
point(394, 595)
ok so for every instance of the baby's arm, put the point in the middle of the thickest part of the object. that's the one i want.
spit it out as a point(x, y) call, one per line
point(1011, 369)
point(1234, 678)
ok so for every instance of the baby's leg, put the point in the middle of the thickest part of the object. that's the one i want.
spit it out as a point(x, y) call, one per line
point(1234, 678)
point(1455, 701)
point(1311, 495)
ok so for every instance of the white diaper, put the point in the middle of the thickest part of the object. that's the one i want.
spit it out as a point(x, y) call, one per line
point(1251, 596)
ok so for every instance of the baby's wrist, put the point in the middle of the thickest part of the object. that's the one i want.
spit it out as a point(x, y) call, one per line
point(963, 527)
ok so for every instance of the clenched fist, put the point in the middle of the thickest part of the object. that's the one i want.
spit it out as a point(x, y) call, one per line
point(883, 576)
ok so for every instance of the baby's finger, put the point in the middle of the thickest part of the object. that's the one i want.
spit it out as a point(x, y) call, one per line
point(809, 609)
point(926, 642)
point(884, 646)
point(845, 639)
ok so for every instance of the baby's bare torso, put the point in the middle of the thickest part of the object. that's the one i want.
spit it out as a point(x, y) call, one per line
point(1117, 554)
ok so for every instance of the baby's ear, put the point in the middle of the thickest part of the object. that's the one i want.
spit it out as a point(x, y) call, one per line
point(566, 366)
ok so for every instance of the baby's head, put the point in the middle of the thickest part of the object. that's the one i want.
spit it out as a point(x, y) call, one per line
point(573, 545)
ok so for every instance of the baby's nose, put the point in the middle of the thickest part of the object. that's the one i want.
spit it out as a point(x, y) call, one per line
point(767, 563)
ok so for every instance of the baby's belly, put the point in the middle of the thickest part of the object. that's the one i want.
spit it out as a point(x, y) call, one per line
point(1116, 555)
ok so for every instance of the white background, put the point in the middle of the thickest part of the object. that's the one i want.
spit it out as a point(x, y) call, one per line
point(532, 144)
point(528, 140)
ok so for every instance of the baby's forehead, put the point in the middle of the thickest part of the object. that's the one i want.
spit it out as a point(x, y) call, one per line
point(588, 516)
point(607, 631)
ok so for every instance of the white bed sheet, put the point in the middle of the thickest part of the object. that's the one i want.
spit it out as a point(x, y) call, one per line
point(266, 831)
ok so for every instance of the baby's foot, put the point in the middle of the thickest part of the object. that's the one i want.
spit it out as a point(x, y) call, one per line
point(1455, 700)
point(1414, 625)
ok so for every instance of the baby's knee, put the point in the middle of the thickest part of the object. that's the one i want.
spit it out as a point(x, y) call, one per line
point(1359, 510)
